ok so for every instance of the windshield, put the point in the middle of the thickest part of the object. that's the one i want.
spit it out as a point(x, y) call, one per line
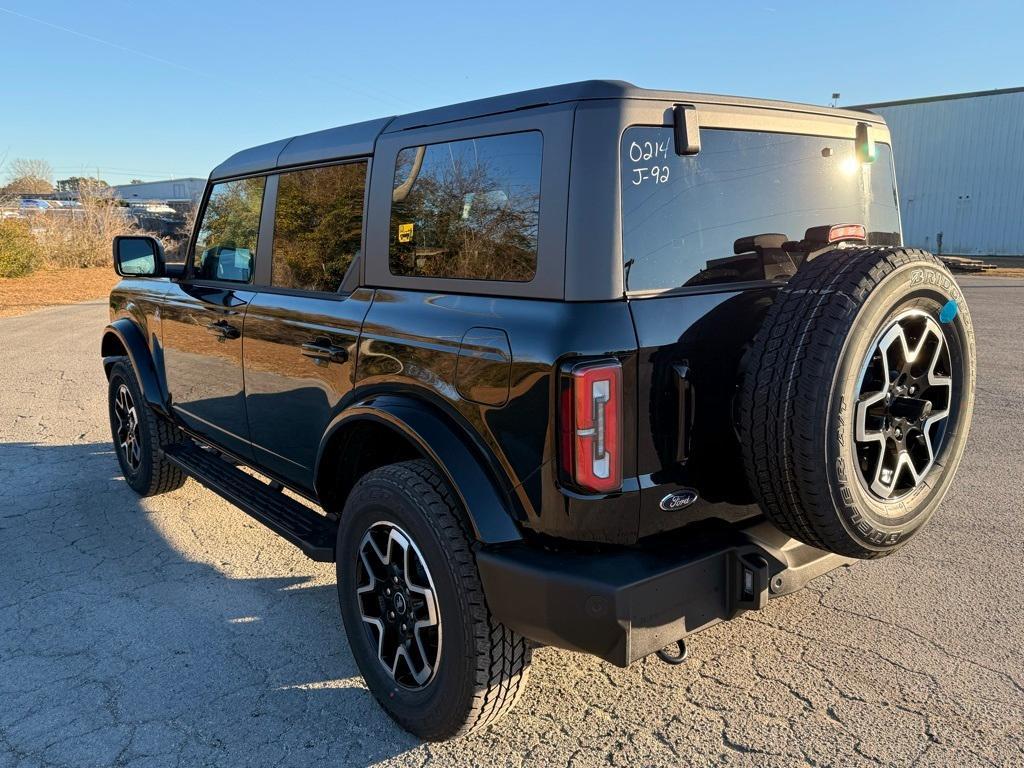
point(699, 219)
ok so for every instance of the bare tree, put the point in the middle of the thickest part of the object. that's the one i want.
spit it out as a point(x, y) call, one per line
point(80, 237)
point(29, 175)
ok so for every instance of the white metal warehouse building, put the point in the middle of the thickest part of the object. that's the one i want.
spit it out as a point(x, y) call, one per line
point(960, 170)
point(189, 188)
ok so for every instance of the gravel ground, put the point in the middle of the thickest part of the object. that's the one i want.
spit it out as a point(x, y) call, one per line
point(177, 631)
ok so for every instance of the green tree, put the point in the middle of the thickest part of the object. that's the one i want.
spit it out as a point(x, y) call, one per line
point(80, 184)
point(19, 253)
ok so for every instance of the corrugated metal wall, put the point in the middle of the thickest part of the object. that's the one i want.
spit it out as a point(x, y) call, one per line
point(960, 171)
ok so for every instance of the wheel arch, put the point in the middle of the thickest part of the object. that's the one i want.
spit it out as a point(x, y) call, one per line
point(388, 428)
point(123, 339)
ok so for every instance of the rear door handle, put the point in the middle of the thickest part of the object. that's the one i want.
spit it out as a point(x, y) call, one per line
point(322, 351)
point(223, 330)
point(685, 411)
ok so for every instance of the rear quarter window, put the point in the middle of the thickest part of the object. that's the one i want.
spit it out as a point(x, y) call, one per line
point(467, 209)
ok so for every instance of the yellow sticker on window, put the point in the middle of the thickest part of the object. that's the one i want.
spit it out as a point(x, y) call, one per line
point(405, 233)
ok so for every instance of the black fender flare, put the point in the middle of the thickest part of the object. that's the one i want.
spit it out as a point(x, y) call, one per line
point(488, 507)
point(134, 343)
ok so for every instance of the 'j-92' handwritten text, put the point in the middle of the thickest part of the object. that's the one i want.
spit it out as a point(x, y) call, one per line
point(645, 152)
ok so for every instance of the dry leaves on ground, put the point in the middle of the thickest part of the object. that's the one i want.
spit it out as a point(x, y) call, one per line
point(51, 287)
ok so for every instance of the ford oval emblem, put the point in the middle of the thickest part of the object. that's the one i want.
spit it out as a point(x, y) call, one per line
point(679, 499)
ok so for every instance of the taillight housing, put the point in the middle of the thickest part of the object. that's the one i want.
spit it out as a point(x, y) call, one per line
point(847, 232)
point(590, 423)
point(826, 234)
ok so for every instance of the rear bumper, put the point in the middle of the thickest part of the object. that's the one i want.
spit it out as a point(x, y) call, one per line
point(626, 604)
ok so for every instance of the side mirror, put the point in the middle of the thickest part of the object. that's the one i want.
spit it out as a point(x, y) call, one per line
point(138, 256)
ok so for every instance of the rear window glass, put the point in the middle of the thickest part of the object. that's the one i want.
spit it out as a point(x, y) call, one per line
point(683, 215)
point(318, 226)
point(467, 209)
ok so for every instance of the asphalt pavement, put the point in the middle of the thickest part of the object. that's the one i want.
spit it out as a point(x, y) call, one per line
point(176, 631)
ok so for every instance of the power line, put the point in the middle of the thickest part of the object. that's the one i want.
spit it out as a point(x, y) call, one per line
point(380, 97)
point(116, 171)
point(101, 41)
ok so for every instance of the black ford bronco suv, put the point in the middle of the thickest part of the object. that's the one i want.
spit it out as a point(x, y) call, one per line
point(588, 366)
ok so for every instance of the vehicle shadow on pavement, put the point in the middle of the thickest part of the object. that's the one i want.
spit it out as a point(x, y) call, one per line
point(127, 632)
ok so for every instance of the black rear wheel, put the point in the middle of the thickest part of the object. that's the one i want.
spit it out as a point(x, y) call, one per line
point(414, 608)
point(397, 603)
point(857, 398)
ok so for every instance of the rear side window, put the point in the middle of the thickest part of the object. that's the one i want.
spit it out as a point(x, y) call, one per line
point(468, 209)
point(318, 226)
point(688, 220)
point(226, 241)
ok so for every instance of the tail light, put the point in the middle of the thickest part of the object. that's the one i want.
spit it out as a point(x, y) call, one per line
point(826, 234)
point(591, 426)
point(846, 232)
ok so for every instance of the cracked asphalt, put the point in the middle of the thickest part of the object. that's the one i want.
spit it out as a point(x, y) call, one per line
point(176, 631)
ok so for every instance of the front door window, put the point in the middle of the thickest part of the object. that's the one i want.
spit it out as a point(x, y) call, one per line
point(226, 241)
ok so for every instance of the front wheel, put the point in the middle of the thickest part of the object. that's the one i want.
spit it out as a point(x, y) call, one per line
point(414, 608)
point(140, 436)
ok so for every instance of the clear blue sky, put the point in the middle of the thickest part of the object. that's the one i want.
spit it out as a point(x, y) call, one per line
point(149, 90)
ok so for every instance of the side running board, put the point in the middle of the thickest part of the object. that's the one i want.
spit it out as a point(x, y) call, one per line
point(310, 531)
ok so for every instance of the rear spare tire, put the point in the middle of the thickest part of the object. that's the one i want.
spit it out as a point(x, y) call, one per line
point(857, 397)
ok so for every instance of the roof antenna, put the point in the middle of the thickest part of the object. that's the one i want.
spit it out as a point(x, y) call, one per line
point(835, 98)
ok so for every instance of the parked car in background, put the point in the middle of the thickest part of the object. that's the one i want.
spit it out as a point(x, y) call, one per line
point(29, 204)
point(154, 209)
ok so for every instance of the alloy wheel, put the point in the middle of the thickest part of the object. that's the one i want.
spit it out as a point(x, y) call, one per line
point(398, 605)
point(905, 395)
point(127, 428)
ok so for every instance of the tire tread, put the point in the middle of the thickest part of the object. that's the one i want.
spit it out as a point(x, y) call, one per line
point(164, 476)
point(502, 656)
point(792, 358)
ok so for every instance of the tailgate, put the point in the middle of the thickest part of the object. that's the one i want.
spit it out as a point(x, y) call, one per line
point(690, 349)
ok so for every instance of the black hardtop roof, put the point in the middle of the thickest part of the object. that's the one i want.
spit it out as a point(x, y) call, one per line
point(359, 138)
